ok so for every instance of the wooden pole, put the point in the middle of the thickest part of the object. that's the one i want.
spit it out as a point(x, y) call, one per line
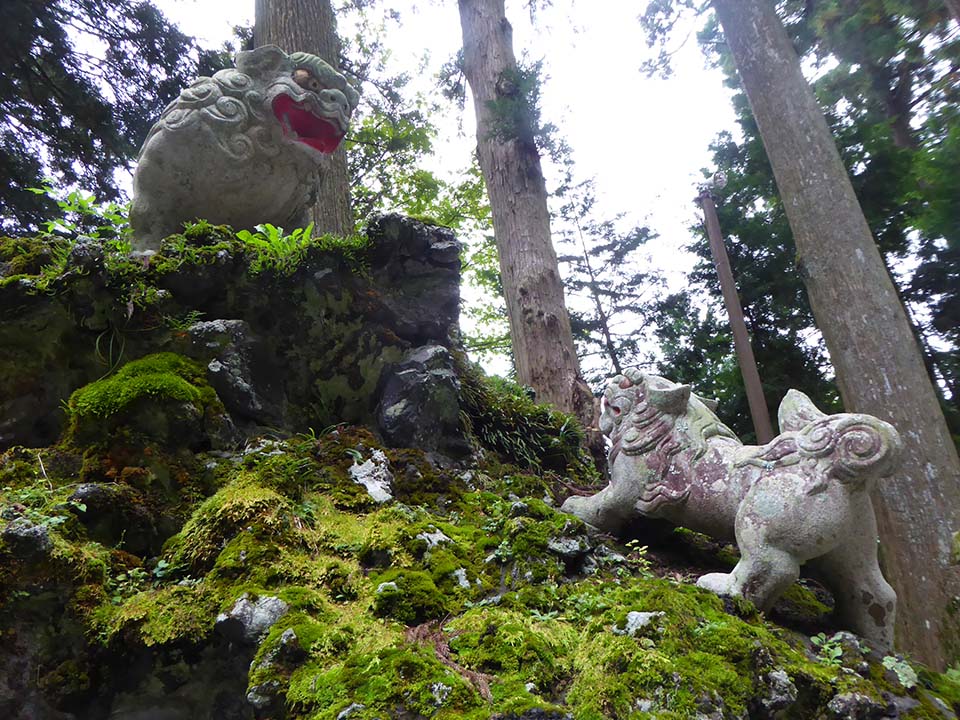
point(741, 340)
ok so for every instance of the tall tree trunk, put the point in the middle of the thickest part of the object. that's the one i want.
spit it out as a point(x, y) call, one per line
point(954, 7)
point(310, 26)
point(539, 325)
point(878, 363)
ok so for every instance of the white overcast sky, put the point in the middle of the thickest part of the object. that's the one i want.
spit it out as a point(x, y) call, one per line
point(643, 140)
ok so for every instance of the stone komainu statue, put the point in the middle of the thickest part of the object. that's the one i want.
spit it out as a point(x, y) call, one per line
point(242, 147)
point(802, 497)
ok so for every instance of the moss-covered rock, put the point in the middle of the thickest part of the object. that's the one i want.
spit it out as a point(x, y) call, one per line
point(409, 596)
point(161, 398)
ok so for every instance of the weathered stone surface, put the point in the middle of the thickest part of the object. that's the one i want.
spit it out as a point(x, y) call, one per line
point(569, 548)
point(307, 352)
point(27, 541)
point(114, 514)
point(235, 370)
point(781, 694)
point(86, 255)
point(419, 404)
point(803, 497)
point(265, 698)
point(249, 620)
point(374, 474)
point(855, 706)
point(290, 650)
point(241, 148)
point(417, 267)
point(636, 621)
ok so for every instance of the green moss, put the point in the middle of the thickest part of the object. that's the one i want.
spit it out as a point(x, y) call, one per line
point(408, 680)
point(525, 632)
point(164, 376)
point(67, 678)
point(31, 256)
point(946, 685)
point(801, 603)
point(160, 617)
point(243, 506)
point(515, 649)
point(409, 596)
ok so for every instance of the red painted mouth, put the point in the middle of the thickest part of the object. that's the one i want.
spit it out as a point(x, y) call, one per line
point(302, 125)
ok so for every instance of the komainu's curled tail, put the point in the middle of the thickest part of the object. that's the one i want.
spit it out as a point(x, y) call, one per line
point(856, 448)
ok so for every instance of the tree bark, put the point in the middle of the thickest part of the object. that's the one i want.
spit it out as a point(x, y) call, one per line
point(878, 363)
point(540, 332)
point(954, 7)
point(310, 26)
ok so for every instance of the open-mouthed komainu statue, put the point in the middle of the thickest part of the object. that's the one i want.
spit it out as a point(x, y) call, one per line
point(803, 497)
point(242, 147)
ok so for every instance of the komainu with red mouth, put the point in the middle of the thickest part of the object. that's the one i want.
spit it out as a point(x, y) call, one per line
point(241, 148)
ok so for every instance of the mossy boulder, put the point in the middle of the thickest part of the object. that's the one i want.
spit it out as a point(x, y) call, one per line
point(162, 398)
point(409, 596)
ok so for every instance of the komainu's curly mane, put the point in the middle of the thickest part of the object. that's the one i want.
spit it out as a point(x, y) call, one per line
point(639, 426)
point(646, 427)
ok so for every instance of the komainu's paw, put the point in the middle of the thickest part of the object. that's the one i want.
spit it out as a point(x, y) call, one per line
point(719, 583)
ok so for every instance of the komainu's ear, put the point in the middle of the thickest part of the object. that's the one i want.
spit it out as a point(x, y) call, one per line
point(711, 403)
point(797, 411)
point(671, 400)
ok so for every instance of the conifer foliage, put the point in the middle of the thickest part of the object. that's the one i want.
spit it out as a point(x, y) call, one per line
point(81, 81)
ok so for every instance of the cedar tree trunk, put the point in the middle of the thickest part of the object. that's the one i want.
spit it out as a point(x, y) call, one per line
point(539, 325)
point(310, 26)
point(877, 360)
point(954, 7)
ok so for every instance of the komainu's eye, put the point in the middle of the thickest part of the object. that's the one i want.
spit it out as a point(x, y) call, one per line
point(307, 80)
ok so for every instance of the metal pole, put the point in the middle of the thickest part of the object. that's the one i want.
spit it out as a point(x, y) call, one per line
point(741, 340)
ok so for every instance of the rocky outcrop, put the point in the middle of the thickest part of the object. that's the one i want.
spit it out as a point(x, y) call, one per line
point(308, 344)
point(287, 495)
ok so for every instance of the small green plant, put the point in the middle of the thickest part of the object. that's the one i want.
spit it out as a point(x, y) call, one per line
point(708, 627)
point(282, 253)
point(127, 584)
point(953, 673)
point(183, 322)
point(109, 349)
point(162, 569)
point(83, 214)
point(637, 558)
point(901, 668)
point(586, 604)
point(503, 553)
point(36, 501)
point(275, 249)
point(829, 650)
